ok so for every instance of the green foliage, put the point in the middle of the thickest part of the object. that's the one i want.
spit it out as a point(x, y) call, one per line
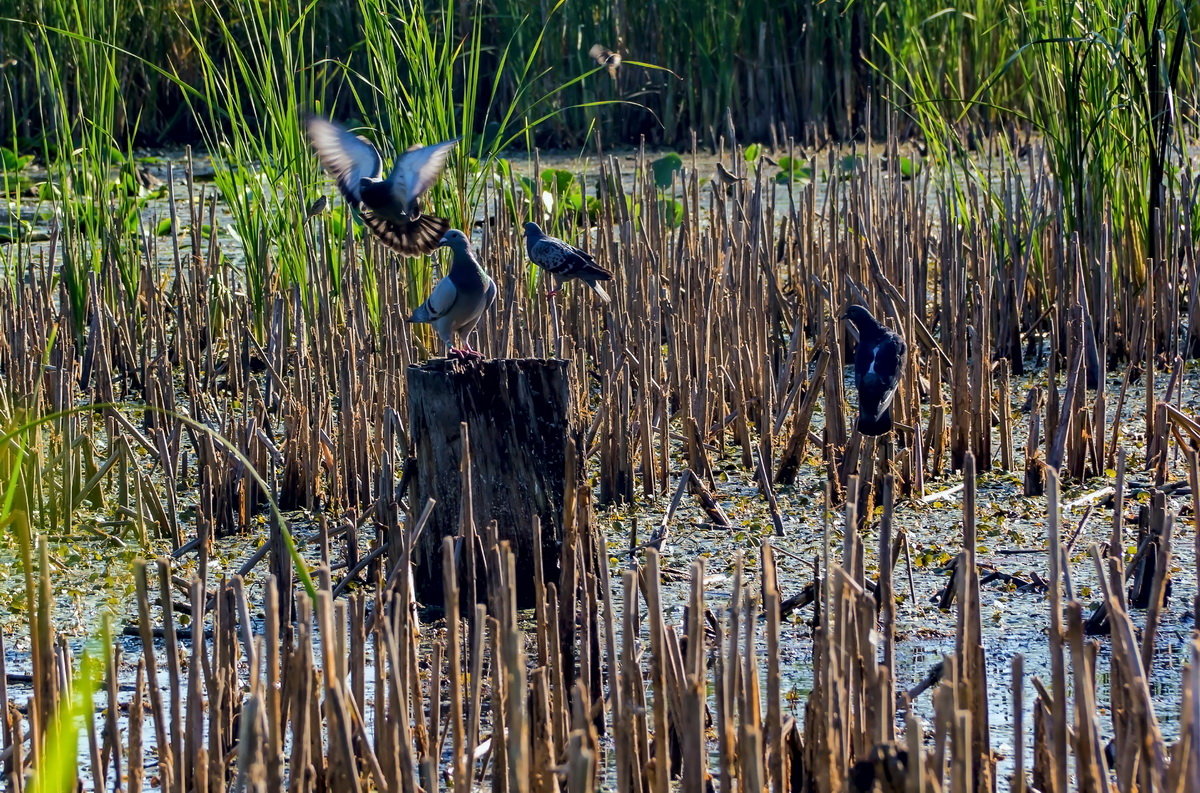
point(767, 64)
point(11, 162)
point(671, 212)
point(1102, 83)
point(15, 230)
point(665, 168)
point(793, 169)
point(907, 167)
point(57, 770)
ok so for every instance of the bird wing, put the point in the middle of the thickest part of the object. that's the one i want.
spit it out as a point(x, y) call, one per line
point(439, 303)
point(885, 360)
point(489, 295)
point(485, 302)
point(347, 157)
point(879, 373)
point(408, 237)
point(565, 260)
point(417, 169)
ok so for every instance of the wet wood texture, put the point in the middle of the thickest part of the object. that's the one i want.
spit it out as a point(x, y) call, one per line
point(519, 418)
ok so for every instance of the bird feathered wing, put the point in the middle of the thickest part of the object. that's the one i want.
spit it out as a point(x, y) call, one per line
point(566, 261)
point(408, 237)
point(489, 297)
point(417, 169)
point(439, 303)
point(878, 365)
point(347, 157)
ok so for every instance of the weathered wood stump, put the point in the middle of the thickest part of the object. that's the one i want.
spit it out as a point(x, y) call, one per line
point(519, 420)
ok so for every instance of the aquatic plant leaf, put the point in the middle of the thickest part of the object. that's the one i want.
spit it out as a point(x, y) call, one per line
point(557, 180)
point(672, 212)
point(793, 169)
point(15, 231)
point(908, 167)
point(665, 168)
point(752, 151)
point(11, 162)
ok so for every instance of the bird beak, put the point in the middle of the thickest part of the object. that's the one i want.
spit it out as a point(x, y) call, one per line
point(444, 241)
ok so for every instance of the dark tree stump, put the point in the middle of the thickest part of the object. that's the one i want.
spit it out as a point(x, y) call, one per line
point(519, 419)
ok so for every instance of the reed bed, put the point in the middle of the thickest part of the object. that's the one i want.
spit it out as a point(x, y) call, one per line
point(169, 385)
point(805, 69)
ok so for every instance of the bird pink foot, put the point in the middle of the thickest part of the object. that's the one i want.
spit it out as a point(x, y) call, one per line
point(465, 353)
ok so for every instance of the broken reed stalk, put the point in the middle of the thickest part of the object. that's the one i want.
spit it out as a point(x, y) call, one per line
point(298, 392)
point(280, 386)
point(848, 724)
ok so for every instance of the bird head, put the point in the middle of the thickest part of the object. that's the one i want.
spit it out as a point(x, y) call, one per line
point(532, 228)
point(453, 239)
point(858, 315)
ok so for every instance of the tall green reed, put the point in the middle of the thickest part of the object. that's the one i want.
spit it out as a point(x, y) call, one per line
point(1100, 82)
point(89, 164)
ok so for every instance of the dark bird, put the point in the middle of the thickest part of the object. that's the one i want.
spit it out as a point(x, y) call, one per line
point(390, 206)
point(316, 207)
point(564, 261)
point(878, 363)
point(606, 58)
point(727, 177)
point(460, 298)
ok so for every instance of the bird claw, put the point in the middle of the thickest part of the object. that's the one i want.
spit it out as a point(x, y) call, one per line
point(465, 354)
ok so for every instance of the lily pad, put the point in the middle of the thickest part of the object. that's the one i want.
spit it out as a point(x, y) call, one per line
point(665, 168)
point(672, 212)
point(557, 180)
point(11, 162)
point(908, 167)
point(793, 169)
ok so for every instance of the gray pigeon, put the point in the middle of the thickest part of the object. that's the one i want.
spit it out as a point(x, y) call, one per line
point(564, 260)
point(460, 298)
point(388, 206)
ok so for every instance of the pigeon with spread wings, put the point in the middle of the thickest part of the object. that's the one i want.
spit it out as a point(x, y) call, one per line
point(390, 206)
point(878, 365)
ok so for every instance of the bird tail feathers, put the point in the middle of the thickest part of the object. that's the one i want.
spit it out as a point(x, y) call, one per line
point(600, 293)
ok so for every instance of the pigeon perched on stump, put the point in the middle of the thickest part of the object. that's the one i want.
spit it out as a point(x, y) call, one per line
point(878, 364)
point(389, 207)
point(564, 261)
point(460, 298)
